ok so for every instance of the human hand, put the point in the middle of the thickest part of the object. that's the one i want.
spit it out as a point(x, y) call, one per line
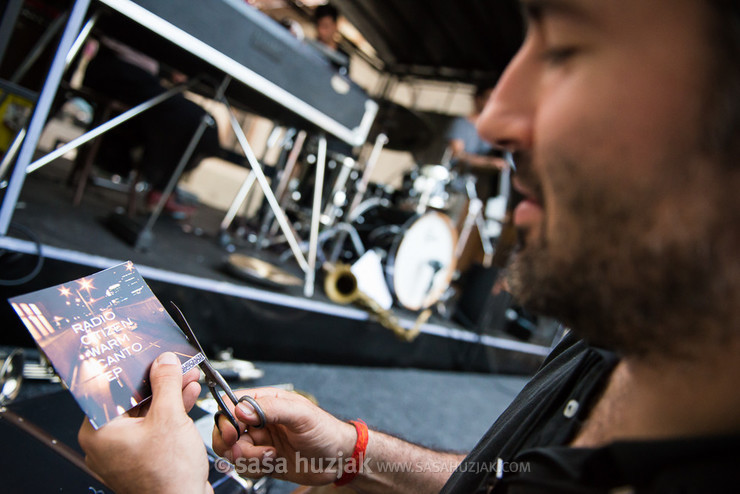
point(296, 432)
point(156, 447)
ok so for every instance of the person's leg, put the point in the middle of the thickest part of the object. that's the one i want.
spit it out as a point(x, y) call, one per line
point(168, 130)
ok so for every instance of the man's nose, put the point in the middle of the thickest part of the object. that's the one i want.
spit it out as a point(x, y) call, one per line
point(507, 119)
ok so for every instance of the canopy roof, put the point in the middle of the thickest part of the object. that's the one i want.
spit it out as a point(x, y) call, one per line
point(463, 40)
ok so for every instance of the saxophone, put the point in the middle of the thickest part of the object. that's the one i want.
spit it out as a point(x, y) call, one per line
point(341, 287)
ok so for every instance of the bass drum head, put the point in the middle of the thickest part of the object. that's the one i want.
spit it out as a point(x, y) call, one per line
point(422, 260)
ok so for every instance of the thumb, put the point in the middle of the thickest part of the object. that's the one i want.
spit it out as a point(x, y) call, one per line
point(165, 377)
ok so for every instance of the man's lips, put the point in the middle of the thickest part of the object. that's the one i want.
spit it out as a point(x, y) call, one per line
point(528, 212)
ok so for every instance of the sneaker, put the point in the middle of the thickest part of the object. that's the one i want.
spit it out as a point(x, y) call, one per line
point(172, 207)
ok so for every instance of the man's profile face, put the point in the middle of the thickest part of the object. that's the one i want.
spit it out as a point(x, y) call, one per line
point(604, 102)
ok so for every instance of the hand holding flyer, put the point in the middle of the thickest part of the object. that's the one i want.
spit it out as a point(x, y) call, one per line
point(102, 333)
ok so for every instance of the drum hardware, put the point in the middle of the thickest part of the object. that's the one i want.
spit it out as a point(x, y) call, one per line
point(340, 286)
point(268, 221)
point(360, 190)
point(444, 305)
point(308, 287)
point(372, 160)
point(337, 199)
point(11, 376)
point(333, 232)
point(417, 250)
point(341, 170)
point(430, 186)
point(446, 160)
point(474, 218)
point(335, 208)
point(270, 196)
point(347, 228)
point(434, 187)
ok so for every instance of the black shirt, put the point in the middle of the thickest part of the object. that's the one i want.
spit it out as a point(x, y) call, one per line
point(526, 451)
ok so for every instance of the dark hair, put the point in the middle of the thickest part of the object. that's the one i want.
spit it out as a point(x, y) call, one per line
point(723, 123)
point(326, 10)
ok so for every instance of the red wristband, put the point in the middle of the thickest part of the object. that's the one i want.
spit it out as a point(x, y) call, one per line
point(353, 465)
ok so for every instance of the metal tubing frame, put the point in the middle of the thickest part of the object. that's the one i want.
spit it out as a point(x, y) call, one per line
point(266, 190)
point(246, 186)
point(485, 240)
point(41, 113)
point(81, 39)
point(268, 226)
point(238, 201)
point(10, 17)
point(372, 160)
point(73, 51)
point(248, 183)
point(184, 159)
point(10, 155)
point(39, 47)
point(105, 127)
point(475, 207)
point(298, 143)
point(308, 287)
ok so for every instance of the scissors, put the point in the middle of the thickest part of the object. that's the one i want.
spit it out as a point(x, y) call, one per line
point(214, 379)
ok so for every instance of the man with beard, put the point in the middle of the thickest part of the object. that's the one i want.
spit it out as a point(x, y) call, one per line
point(623, 117)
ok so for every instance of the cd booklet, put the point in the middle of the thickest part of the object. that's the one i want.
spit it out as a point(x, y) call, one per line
point(102, 333)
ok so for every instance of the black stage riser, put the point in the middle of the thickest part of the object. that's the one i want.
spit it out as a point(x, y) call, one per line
point(267, 332)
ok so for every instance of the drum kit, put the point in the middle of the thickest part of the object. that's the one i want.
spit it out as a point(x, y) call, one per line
point(415, 232)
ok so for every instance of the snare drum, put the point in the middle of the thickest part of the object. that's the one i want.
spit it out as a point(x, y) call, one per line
point(418, 251)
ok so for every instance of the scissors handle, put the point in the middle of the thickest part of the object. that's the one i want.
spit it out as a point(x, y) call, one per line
point(223, 410)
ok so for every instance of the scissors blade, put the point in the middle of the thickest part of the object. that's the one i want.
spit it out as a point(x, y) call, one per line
point(185, 328)
point(213, 377)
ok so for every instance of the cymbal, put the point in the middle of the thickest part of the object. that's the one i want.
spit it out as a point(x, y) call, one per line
point(406, 129)
point(260, 271)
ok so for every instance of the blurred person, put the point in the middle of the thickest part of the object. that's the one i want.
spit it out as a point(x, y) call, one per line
point(466, 145)
point(327, 34)
point(153, 141)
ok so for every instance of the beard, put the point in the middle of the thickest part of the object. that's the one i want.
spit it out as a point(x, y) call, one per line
point(641, 269)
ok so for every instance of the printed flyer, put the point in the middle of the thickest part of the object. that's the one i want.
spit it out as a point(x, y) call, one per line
point(102, 333)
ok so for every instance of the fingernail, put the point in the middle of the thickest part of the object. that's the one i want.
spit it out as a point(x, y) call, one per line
point(268, 454)
point(168, 358)
point(247, 409)
point(229, 456)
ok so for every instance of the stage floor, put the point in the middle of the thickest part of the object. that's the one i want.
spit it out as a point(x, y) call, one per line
point(186, 263)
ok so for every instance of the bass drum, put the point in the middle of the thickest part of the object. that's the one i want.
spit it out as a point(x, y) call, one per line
point(418, 251)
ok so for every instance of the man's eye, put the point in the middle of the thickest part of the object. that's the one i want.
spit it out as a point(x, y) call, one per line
point(558, 55)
